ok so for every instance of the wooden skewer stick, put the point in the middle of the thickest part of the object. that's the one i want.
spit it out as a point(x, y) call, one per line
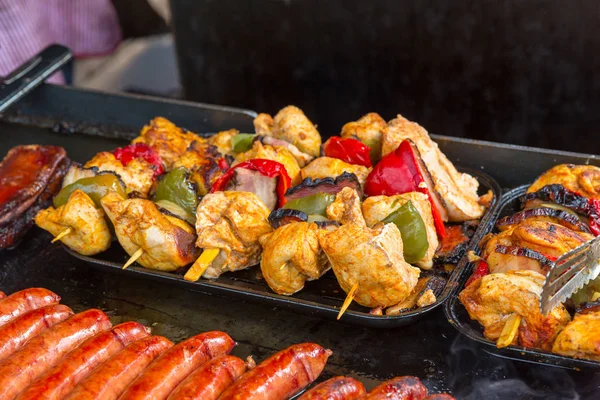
point(201, 264)
point(138, 253)
point(62, 235)
point(348, 300)
point(509, 331)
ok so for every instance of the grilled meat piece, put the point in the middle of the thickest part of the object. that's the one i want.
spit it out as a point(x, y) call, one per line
point(245, 180)
point(291, 256)
point(202, 161)
point(232, 222)
point(274, 153)
point(371, 257)
point(324, 167)
point(580, 338)
point(138, 175)
point(454, 244)
point(425, 293)
point(291, 125)
point(377, 208)
point(457, 191)
point(29, 177)
point(368, 129)
point(222, 141)
point(492, 299)
point(561, 217)
point(582, 179)
point(167, 139)
point(301, 158)
point(346, 208)
point(327, 185)
point(168, 242)
point(89, 231)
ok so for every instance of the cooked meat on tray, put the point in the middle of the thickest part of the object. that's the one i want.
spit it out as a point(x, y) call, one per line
point(29, 177)
point(55, 354)
point(580, 338)
point(269, 198)
point(582, 179)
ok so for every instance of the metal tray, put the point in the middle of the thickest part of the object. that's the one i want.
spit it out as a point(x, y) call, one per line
point(459, 318)
point(322, 297)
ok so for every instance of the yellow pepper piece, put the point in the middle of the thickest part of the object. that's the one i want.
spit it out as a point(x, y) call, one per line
point(201, 264)
point(511, 327)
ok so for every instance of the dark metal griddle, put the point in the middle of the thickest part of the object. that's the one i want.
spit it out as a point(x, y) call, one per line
point(87, 122)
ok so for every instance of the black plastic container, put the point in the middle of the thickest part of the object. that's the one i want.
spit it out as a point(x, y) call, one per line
point(459, 318)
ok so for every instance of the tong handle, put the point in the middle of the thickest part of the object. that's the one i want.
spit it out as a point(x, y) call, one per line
point(32, 73)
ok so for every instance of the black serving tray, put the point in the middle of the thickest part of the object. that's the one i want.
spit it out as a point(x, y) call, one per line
point(322, 297)
point(459, 318)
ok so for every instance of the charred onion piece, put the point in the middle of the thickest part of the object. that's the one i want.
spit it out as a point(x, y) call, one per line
point(325, 185)
point(523, 252)
point(284, 216)
point(454, 244)
point(564, 197)
point(564, 218)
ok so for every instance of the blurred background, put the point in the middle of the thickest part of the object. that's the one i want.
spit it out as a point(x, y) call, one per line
point(522, 72)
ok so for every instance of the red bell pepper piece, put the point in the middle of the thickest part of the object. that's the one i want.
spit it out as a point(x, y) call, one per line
point(223, 164)
point(480, 271)
point(594, 216)
point(349, 150)
point(140, 150)
point(268, 168)
point(398, 173)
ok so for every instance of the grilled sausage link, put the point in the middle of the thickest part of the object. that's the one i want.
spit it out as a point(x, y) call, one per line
point(111, 378)
point(75, 366)
point(45, 350)
point(210, 380)
point(24, 301)
point(167, 371)
point(17, 332)
point(2, 295)
point(338, 388)
point(442, 396)
point(282, 375)
point(400, 388)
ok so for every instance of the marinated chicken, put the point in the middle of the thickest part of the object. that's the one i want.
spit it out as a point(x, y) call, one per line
point(138, 175)
point(457, 191)
point(346, 208)
point(375, 209)
point(582, 179)
point(301, 158)
point(167, 139)
point(291, 256)
point(167, 242)
point(201, 160)
point(580, 338)
point(369, 130)
point(324, 167)
point(291, 125)
point(274, 153)
point(540, 241)
point(492, 299)
point(88, 231)
point(232, 222)
point(371, 258)
point(222, 141)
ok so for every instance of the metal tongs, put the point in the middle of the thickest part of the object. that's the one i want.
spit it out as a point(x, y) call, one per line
point(570, 272)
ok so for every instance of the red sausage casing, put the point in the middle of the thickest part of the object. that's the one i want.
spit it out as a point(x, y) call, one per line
point(338, 388)
point(24, 301)
point(19, 331)
point(282, 375)
point(167, 371)
point(45, 350)
point(2, 295)
point(110, 379)
point(61, 379)
point(400, 388)
point(210, 380)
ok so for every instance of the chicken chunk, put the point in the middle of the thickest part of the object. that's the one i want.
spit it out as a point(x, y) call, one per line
point(375, 209)
point(301, 158)
point(222, 141)
point(273, 153)
point(167, 139)
point(77, 172)
point(492, 299)
point(291, 125)
point(89, 234)
point(324, 167)
point(346, 208)
point(581, 337)
point(201, 160)
point(371, 258)
point(167, 242)
point(458, 191)
point(291, 256)
point(369, 130)
point(137, 175)
point(582, 179)
point(232, 222)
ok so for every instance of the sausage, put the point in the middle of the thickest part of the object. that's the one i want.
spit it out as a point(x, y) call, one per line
point(399, 388)
point(17, 332)
point(111, 378)
point(61, 379)
point(167, 371)
point(2, 295)
point(210, 380)
point(282, 375)
point(338, 388)
point(442, 396)
point(45, 350)
point(24, 301)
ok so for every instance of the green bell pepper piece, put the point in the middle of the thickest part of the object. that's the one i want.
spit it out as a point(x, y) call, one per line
point(94, 186)
point(242, 142)
point(413, 231)
point(313, 204)
point(176, 188)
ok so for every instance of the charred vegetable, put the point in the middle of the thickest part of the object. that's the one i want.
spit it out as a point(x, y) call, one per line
point(177, 188)
point(140, 150)
point(349, 150)
point(242, 142)
point(412, 228)
point(331, 186)
point(314, 204)
point(284, 216)
point(454, 245)
point(96, 187)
